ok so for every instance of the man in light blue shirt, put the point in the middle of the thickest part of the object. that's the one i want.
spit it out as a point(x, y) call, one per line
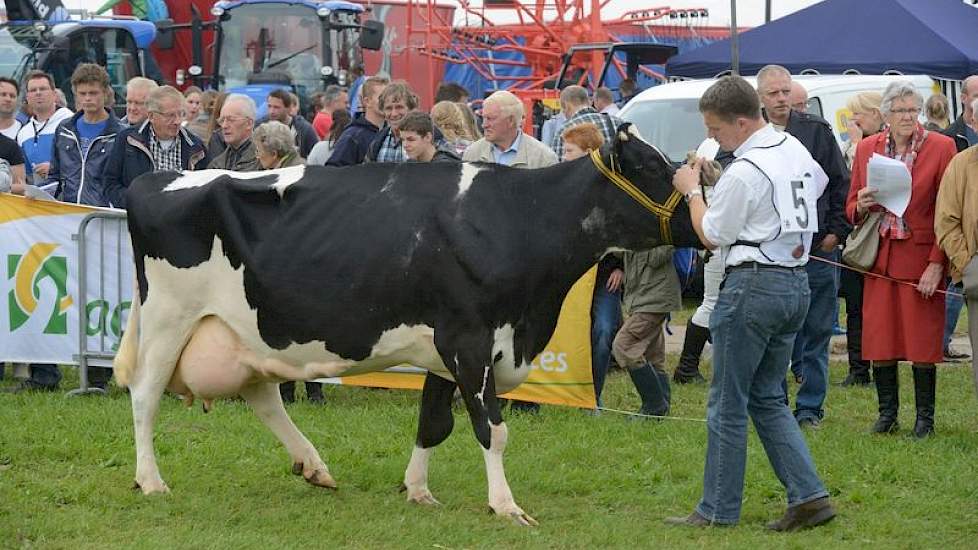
point(503, 142)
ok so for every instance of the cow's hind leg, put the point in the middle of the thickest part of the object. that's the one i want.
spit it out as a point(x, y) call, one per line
point(434, 426)
point(266, 401)
point(467, 356)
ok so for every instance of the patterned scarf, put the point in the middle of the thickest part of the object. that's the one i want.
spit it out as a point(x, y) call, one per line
point(891, 225)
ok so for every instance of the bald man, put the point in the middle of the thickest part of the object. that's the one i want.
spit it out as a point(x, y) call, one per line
point(798, 98)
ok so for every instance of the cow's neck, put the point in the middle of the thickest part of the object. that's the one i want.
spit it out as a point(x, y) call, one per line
point(572, 216)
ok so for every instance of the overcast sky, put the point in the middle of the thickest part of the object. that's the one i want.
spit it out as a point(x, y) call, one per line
point(750, 13)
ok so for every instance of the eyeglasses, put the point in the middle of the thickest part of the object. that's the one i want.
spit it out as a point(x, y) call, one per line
point(170, 117)
point(231, 119)
point(902, 112)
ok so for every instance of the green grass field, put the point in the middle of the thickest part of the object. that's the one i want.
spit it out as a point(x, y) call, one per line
point(67, 464)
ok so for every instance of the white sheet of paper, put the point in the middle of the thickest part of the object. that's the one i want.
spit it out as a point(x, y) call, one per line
point(891, 179)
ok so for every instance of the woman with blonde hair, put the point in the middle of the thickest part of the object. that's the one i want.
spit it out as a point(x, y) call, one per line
point(448, 118)
point(865, 120)
point(936, 110)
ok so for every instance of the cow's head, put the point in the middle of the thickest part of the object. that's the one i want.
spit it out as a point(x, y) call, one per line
point(650, 171)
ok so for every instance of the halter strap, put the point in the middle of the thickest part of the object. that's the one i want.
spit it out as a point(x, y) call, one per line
point(662, 211)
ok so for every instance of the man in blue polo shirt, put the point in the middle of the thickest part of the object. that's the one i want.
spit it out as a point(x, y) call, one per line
point(36, 137)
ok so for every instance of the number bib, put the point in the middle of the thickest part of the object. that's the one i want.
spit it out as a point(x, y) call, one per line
point(797, 204)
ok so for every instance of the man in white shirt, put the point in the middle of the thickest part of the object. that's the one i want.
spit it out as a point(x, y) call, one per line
point(762, 214)
point(9, 90)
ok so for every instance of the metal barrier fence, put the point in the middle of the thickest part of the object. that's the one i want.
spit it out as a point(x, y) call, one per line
point(109, 225)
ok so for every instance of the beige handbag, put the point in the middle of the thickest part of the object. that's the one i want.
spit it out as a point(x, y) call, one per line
point(863, 244)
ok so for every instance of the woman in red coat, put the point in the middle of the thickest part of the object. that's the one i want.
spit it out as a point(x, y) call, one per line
point(903, 322)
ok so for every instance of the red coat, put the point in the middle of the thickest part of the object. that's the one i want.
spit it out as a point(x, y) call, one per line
point(898, 323)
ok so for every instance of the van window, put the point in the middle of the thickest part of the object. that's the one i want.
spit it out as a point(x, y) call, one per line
point(673, 125)
point(814, 107)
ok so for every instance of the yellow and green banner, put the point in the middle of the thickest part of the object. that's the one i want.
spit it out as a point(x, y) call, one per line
point(40, 261)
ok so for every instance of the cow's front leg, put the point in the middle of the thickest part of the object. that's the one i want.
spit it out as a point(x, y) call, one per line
point(155, 365)
point(469, 359)
point(266, 401)
point(434, 426)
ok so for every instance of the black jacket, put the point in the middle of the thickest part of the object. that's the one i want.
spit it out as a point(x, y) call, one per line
point(956, 131)
point(131, 158)
point(79, 177)
point(815, 133)
point(352, 145)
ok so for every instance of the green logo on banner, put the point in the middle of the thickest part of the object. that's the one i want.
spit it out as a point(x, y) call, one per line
point(28, 271)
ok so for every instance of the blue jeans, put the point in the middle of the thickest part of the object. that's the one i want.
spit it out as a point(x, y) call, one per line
point(605, 318)
point(753, 328)
point(810, 355)
point(952, 310)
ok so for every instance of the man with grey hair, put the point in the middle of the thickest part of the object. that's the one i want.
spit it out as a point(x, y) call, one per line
point(237, 123)
point(577, 108)
point(502, 141)
point(810, 357)
point(137, 90)
point(964, 129)
point(334, 98)
point(160, 143)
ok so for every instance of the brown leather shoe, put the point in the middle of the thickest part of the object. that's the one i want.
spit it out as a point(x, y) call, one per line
point(692, 520)
point(805, 516)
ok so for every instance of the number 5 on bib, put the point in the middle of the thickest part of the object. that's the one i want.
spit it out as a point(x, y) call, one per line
point(797, 204)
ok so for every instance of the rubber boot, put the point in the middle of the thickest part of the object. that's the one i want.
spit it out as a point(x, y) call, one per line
point(888, 390)
point(287, 389)
point(689, 360)
point(314, 392)
point(924, 389)
point(653, 387)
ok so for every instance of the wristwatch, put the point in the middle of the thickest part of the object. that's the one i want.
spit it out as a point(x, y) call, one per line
point(693, 192)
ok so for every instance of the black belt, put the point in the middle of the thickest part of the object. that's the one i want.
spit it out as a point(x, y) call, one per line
point(756, 266)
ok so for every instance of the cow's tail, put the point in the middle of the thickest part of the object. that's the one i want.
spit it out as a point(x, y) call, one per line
point(124, 363)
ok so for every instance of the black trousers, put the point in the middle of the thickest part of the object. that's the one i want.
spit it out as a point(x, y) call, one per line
point(851, 288)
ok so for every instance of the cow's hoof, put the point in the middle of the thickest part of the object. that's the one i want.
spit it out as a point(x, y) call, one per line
point(320, 478)
point(420, 495)
point(155, 487)
point(516, 514)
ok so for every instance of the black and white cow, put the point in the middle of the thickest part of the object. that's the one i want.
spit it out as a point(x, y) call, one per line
point(249, 279)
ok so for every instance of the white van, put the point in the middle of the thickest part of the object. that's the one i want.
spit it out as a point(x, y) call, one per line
point(668, 115)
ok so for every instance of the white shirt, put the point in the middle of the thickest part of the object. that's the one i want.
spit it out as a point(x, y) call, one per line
point(610, 110)
point(742, 209)
point(11, 131)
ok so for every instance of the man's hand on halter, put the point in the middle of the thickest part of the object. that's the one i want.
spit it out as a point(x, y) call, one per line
point(687, 177)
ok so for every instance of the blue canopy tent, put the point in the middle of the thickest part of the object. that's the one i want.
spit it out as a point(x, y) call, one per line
point(933, 37)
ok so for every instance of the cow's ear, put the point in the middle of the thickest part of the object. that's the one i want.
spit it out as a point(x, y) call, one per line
point(625, 132)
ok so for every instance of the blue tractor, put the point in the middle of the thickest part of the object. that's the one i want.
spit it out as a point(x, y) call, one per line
point(262, 45)
point(42, 35)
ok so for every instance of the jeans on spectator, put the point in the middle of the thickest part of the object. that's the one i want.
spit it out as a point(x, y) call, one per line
point(605, 318)
point(753, 326)
point(811, 352)
point(45, 375)
point(952, 309)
